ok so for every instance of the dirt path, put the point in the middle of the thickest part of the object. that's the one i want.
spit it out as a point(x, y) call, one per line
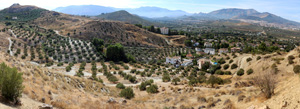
point(9, 47)
point(13, 33)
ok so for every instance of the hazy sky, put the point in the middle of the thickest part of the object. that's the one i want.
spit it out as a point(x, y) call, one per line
point(289, 9)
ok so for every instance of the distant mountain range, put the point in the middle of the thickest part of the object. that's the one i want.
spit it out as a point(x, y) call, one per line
point(156, 13)
point(93, 10)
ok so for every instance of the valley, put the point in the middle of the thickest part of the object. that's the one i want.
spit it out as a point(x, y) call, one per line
point(54, 60)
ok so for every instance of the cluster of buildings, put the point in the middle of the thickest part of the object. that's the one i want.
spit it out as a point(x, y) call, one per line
point(164, 30)
point(177, 61)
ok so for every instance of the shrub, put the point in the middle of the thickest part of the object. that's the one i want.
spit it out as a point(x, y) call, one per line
point(120, 86)
point(166, 78)
point(219, 72)
point(214, 80)
point(234, 66)
point(112, 79)
point(227, 73)
point(152, 89)
point(258, 58)
point(176, 80)
point(230, 61)
point(266, 83)
point(10, 83)
point(291, 58)
point(143, 86)
point(249, 71)
point(240, 72)
point(297, 69)
point(249, 59)
point(127, 93)
point(226, 66)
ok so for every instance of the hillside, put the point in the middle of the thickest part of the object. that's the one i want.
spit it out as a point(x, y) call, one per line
point(124, 16)
point(18, 12)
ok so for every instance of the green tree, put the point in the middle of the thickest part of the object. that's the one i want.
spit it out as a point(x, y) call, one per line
point(10, 83)
point(152, 89)
point(115, 53)
point(99, 44)
point(240, 72)
point(127, 93)
point(120, 86)
point(176, 80)
point(214, 80)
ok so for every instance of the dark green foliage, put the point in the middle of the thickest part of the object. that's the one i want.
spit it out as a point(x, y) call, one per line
point(166, 78)
point(221, 61)
point(214, 68)
point(116, 53)
point(10, 82)
point(6, 14)
point(249, 71)
point(226, 66)
point(258, 58)
point(176, 80)
point(240, 72)
point(127, 93)
point(234, 66)
point(143, 86)
point(249, 59)
point(291, 58)
point(296, 69)
point(120, 86)
point(230, 61)
point(152, 89)
point(205, 66)
point(99, 44)
point(214, 80)
point(227, 73)
point(219, 72)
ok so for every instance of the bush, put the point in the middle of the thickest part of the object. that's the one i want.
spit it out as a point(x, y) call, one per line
point(258, 58)
point(214, 80)
point(249, 59)
point(127, 93)
point(297, 69)
point(291, 58)
point(249, 71)
point(166, 78)
point(152, 89)
point(120, 86)
point(10, 83)
point(226, 66)
point(266, 83)
point(176, 80)
point(219, 72)
point(227, 73)
point(230, 61)
point(234, 66)
point(240, 72)
point(143, 86)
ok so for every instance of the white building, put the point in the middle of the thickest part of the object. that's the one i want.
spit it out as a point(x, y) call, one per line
point(207, 44)
point(173, 60)
point(14, 18)
point(187, 62)
point(210, 51)
point(164, 30)
point(223, 50)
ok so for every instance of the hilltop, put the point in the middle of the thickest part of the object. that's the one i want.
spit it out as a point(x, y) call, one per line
point(18, 12)
point(124, 16)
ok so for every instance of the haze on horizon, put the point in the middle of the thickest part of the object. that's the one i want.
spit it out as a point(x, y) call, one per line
point(288, 9)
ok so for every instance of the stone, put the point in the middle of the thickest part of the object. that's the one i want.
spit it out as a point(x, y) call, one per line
point(123, 101)
point(201, 99)
point(46, 106)
point(284, 104)
point(241, 98)
point(111, 100)
point(227, 102)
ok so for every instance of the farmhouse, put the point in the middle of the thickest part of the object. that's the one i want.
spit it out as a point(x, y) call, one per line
point(210, 51)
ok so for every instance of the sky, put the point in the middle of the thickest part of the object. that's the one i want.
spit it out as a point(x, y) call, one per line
point(289, 9)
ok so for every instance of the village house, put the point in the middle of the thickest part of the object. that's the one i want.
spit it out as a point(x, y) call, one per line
point(207, 44)
point(210, 51)
point(235, 49)
point(202, 61)
point(223, 50)
point(173, 60)
point(164, 30)
point(187, 62)
point(198, 49)
point(189, 56)
point(14, 18)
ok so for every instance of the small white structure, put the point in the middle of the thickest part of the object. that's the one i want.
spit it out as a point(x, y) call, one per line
point(198, 49)
point(187, 62)
point(14, 18)
point(173, 60)
point(223, 50)
point(164, 30)
point(210, 51)
point(208, 44)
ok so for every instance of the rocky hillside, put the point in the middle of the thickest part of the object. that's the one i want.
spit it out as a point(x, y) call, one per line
point(124, 16)
point(18, 12)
